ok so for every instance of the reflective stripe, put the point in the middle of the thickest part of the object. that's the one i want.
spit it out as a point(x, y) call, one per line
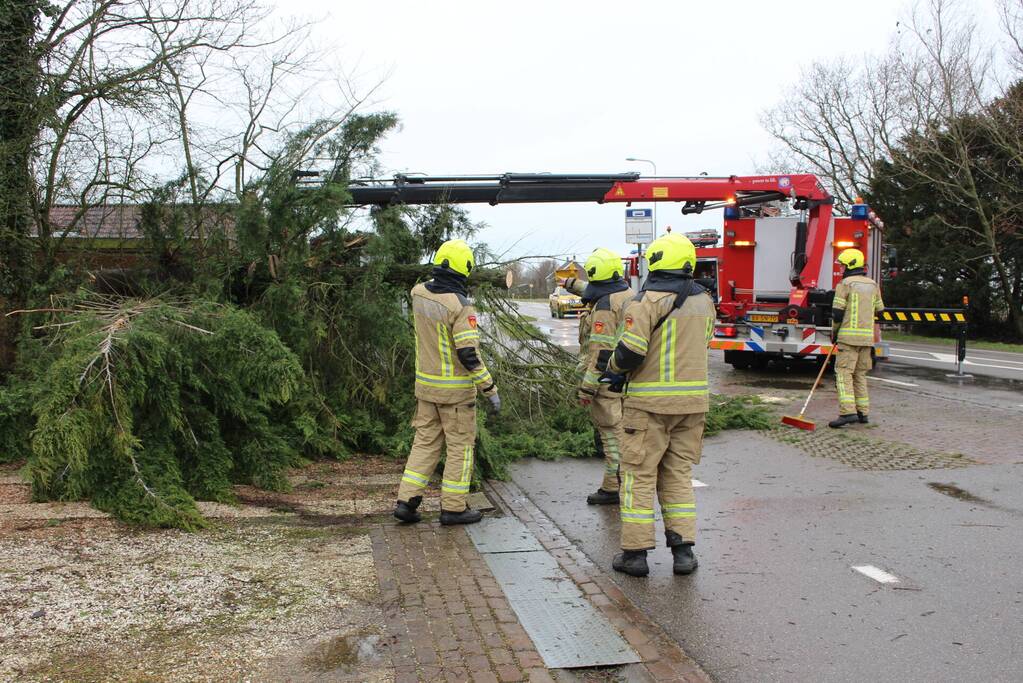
point(591, 378)
point(481, 376)
point(667, 367)
point(635, 340)
point(696, 388)
point(467, 335)
point(678, 510)
point(454, 486)
point(637, 515)
point(444, 348)
point(627, 479)
point(710, 329)
point(462, 382)
point(414, 478)
point(608, 339)
point(838, 302)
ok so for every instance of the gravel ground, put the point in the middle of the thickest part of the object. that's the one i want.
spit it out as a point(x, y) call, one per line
point(261, 597)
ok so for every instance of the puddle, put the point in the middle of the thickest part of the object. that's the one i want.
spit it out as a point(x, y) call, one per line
point(344, 652)
point(776, 384)
point(958, 493)
point(954, 491)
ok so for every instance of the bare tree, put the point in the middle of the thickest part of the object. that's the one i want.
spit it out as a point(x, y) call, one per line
point(839, 120)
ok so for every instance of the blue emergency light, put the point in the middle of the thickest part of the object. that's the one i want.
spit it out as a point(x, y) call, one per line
point(859, 211)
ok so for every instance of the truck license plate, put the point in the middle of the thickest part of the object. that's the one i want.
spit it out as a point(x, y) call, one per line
point(762, 318)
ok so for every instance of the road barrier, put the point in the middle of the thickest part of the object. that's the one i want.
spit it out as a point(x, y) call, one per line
point(955, 317)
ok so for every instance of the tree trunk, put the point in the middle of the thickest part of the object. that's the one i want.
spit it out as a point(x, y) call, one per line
point(19, 85)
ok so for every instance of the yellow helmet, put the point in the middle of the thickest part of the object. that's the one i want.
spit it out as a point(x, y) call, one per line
point(852, 258)
point(456, 255)
point(671, 252)
point(603, 264)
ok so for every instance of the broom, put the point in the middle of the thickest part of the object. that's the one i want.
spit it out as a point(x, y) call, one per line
point(798, 421)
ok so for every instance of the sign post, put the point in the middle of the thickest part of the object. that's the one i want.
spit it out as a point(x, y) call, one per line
point(640, 230)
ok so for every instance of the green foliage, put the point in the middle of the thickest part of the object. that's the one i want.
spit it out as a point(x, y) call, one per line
point(960, 236)
point(737, 412)
point(143, 406)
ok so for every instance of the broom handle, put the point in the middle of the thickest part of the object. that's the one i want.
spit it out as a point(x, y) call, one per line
point(818, 380)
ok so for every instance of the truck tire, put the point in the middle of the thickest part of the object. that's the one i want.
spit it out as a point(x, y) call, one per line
point(740, 360)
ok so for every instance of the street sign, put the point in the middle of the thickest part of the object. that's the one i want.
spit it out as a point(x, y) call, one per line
point(639, 226)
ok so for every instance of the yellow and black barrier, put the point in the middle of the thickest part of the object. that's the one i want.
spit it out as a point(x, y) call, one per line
point(923, 315)
point(956, 317)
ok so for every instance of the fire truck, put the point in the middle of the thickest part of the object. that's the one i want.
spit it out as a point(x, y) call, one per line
point(772, 276)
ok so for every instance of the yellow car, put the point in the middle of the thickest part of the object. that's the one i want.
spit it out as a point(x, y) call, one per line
point(564, 302)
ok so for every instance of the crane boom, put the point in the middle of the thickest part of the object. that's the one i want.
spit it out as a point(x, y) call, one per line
point(697, 194)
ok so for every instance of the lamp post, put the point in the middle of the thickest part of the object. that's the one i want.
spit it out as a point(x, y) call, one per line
point(639, 247)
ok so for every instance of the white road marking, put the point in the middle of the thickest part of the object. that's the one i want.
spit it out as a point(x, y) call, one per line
point(893, 381)
point(970, 355)
point(697, 483)
point(879, 575)
point(951, 359)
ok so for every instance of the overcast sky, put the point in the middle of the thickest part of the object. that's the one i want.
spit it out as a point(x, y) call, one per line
point(527, 86)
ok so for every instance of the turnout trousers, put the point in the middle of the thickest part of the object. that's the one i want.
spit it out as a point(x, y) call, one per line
point(851, 368)
point(658, 454)
point(606, 414)
point(438, 426)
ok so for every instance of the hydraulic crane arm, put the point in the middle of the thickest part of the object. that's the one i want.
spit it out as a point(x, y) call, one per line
point(696, 193)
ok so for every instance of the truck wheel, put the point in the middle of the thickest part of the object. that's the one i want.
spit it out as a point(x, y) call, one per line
point(740, 360)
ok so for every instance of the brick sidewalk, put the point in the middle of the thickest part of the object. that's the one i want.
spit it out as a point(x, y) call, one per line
point(448, 619)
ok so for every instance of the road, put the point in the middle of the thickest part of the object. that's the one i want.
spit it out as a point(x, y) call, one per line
point(818, 567)
point(1000, 364)
point(938, 356)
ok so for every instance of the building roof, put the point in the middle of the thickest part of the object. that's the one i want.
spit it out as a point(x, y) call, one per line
point(113, 221)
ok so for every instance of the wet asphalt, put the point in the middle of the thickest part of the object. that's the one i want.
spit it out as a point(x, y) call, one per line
point(776, 598)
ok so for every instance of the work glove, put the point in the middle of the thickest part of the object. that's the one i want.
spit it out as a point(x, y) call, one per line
point(495, 403)
point(834, 336)
point(615, 381)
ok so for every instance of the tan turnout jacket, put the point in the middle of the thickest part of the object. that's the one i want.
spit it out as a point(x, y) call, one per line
point(860, 298)
point(445, 323)
point(672, 379)
point(599, 328)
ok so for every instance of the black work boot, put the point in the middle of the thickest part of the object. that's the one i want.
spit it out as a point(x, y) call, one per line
point(685, 562)
point(602, 497)
point(631, 562)
point(844, 420)
point(863, 418)
point(466, 516)
point(406, 512)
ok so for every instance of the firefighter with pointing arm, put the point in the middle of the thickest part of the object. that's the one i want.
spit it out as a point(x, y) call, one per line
point(857, 301)
point(449, 373)
point(604, 296)
point(661, 362)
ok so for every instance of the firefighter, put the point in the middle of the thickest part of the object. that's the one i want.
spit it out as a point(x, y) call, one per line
point(857, 301)
point(661, 360)
point(449, 373)
point(605, 297)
